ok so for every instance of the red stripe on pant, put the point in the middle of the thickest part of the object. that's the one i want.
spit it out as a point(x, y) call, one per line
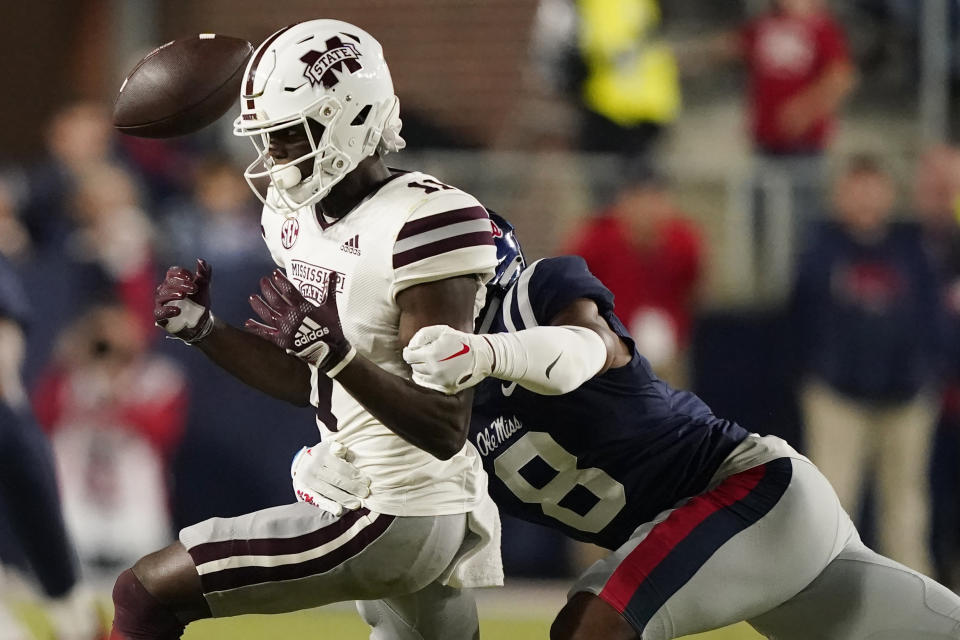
point(665, 536)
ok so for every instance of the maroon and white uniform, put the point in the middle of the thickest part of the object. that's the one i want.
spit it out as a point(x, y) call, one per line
point(428, 527)
point(412, 230)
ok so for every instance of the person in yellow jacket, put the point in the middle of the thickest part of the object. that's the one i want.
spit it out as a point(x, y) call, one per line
point(630, 89)
point(608, 57)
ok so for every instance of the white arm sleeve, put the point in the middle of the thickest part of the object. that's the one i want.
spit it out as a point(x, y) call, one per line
point(548, 360)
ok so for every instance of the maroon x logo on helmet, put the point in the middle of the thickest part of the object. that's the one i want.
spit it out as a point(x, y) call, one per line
point(322, 64)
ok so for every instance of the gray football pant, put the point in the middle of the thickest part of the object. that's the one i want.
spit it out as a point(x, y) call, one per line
point(862, 595)
point(799, 572)
point(435, 613)
point(297, 556)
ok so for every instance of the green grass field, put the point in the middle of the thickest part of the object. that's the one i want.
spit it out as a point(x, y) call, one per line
point(344, 625)
point(340, 623)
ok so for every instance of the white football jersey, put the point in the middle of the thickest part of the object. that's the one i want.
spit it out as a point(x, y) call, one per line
point(413, 229)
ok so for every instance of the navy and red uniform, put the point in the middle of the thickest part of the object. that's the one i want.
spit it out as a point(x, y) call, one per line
point(602, 460)
point(655, 444)
point(708, 524)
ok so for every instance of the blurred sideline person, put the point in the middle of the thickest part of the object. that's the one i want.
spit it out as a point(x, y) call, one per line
point(800, 75)
point(937, 204)
point(607, 55)
point(218, 221)
point(708, 524)
point(78, 137)
point(651, 258)
point(28, 486)
point(115, 412)
point(869, 325)
point(396, 251)
point(15, 242)
point(114, 235)
point(105, 251)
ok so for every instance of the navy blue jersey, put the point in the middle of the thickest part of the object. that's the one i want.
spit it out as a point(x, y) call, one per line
point(599, 461)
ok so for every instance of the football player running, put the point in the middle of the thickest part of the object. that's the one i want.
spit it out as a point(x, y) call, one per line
point(369, 257)
point(707, 524)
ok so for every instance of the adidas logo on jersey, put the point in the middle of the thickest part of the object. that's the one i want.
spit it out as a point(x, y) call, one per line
point(351, 246)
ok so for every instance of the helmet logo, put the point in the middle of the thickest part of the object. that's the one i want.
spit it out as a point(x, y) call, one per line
point(322, 64)
point(497, 232)
point(289, 232)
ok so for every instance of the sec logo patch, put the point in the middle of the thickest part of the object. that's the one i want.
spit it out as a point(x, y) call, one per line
point(289, 232)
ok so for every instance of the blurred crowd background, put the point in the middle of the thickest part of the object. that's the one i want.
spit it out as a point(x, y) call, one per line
point(770, 188)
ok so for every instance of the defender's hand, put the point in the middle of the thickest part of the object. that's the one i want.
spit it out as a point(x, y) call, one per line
point(324, 477)
point(448, 360)
point(182, 303)
point(290, 321)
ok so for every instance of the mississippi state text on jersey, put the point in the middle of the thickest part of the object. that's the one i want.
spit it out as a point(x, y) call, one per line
point(411, 230)
point(603, 459)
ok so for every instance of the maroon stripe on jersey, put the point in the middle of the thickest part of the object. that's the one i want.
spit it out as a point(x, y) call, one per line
point(437, 220)
point(248, 90)
point(237, 577)
point(208, 551)
point(478, 238)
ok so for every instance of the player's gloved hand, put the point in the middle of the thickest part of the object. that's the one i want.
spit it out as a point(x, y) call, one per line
point(182, 303)
point(290, 321)
point(448, 360)
point(324, 477)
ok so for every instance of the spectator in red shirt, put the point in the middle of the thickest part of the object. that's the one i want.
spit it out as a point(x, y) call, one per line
point(650, 257)
point(115, 413)
point(800, 73)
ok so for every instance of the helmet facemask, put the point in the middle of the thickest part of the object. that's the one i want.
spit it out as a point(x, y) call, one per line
point(328, 164)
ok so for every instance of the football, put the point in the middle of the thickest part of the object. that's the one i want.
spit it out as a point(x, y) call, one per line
point(182, 86)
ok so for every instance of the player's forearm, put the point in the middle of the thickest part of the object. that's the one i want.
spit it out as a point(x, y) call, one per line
point(548, 360)
point(430, 420)
point(258, 363)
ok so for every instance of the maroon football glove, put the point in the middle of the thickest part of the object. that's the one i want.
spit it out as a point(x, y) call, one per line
point(182, 303)
point(292, 322)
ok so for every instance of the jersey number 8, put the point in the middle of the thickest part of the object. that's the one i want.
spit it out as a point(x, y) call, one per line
point(537, 444)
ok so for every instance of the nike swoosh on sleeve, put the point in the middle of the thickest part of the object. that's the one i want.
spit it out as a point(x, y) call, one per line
point(464, 350)
point(508, 388)
point(552, 364)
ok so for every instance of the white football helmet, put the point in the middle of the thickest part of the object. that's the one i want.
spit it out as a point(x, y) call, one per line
point(329, 72)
